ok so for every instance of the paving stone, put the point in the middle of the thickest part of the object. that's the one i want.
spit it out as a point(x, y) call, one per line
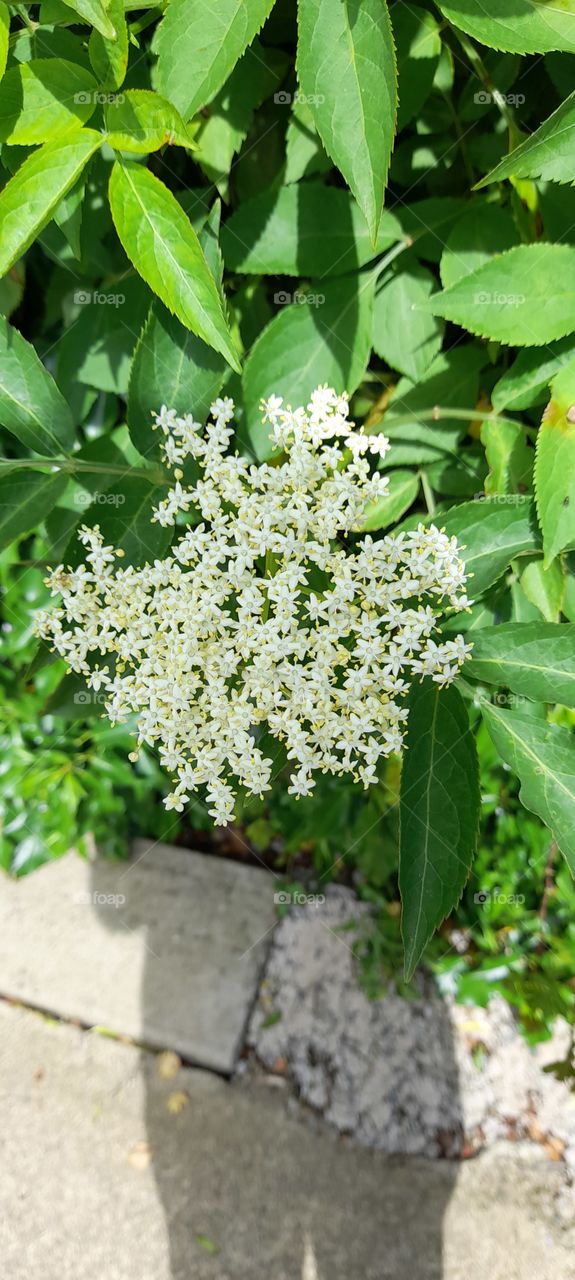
point(101, 1180)
point(166, 949)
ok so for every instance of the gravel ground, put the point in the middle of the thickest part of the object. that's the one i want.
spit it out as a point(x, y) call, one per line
point(423, 1077)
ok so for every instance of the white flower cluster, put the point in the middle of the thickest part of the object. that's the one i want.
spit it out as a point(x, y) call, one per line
point(266, 615)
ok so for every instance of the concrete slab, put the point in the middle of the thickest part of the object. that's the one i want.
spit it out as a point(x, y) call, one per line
point(166, 949)
point(102, 1176)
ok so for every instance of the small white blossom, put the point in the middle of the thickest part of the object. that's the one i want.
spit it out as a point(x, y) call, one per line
point(261, 617)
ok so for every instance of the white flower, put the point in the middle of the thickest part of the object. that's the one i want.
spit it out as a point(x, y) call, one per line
point(261, 617)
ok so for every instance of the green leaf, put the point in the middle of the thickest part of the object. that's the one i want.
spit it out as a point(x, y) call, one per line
point(97, 349)
point(509, 457)
point(109, 58)
point(544, 588)
point(30, 198)
point(44, 99)
point(221, 131)
point(451, 381)
point(484, 230)
point(547, 153)
point(95, 13)
point(510, 299)
point(140, 121)
point(492, 534)
point(543, 757)
point(165, 250)
point(555, 467)
point(518, 26)
point(26, 497)
point(418, 45)
point(302, 230)
point(171, 366)
point(326, 339)
point(125, 519)
point(439, 813)
point(4, 35)
point(304, 152)
point(403, 335)
point(403, 490)
point(526, 381)
point(429, 222)
point(31, 406)
point(346, 68)
point(533, 659)
point(198, 47)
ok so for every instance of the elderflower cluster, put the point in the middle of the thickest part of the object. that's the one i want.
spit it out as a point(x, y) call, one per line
point(266, 616)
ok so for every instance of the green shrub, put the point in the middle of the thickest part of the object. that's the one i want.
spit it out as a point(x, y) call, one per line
point(189, 208)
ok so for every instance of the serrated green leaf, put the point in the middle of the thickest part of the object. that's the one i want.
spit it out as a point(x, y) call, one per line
point(31, 406)
point(346, 68)
point(198, 47)
point(543, 757)
point(302, 230)
point(439, 813)
point(492, 534)
point(95, 12)
point(403, 490)
point(327, 339)
point(43, 100)
point(109, 58)
point(547, 153)
point(26, 497)
point(533, 659)
point(403, 335)
point(525, 383)
point(485, 229)
point(4, 35)
point(139, 121)
point(518, 26)
point(555, 467)
point(165, 250)
point(30, 198)
point(510, 298)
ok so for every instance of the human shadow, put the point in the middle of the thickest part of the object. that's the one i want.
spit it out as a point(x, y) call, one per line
point(252, 1182)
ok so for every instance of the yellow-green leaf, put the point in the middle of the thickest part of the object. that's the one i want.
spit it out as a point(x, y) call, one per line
point(555, 467)
point(31, 196)
point(164, 248)
point(109, 57)
point(140, 121)
point(44, 99)
point(4, 35)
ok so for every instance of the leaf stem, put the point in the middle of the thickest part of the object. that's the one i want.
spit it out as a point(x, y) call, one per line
point(73, 466)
